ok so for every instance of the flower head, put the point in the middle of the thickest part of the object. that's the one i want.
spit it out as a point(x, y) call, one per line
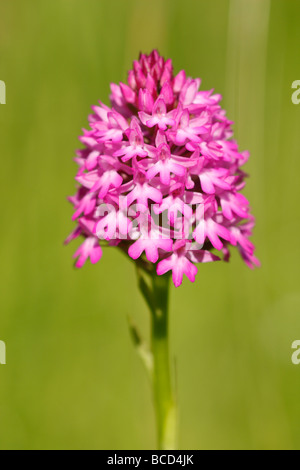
point(160, 175)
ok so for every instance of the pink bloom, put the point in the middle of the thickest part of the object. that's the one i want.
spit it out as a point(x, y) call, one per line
point(135, 148)
point(234, 204)
point(212, 179)
point(101, 180)
point(165, 166)
point(211, 228)
point(182, 262)
point(151, 243)
point(175, 203)
point(92, 160)
point(159, 116)
point(145, 100)
point(162, 156)
point(143, 192)
point(89, 249)
point(179, 81)
point(112, 128)
point(85, 205)
point(112, 225)
point(187, 129)
point(189, 91)
point(246, 248)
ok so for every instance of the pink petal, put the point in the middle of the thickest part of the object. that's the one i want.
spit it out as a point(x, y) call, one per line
point(179, 81)
point(145, 101)
point(164, 266)
point(189, 269)
point(96, 254)
point(144, 117)
point(136, 249)
point(128, 93)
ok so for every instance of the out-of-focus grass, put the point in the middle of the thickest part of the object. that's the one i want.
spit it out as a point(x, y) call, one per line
point(72, 379)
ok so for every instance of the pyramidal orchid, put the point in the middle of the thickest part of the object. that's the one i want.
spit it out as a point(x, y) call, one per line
point(160, 177)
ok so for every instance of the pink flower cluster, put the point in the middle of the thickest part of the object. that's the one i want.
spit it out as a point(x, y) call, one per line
point(163, 143)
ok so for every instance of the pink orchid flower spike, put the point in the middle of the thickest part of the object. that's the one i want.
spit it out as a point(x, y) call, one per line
point(164, 145)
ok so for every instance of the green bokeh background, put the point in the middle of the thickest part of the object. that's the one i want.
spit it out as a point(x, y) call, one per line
point(72, 379)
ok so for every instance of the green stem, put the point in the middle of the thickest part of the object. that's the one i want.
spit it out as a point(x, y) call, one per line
point(155, 290)
point(162, 385)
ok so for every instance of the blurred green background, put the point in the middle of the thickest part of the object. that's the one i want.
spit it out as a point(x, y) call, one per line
point(72, 379)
